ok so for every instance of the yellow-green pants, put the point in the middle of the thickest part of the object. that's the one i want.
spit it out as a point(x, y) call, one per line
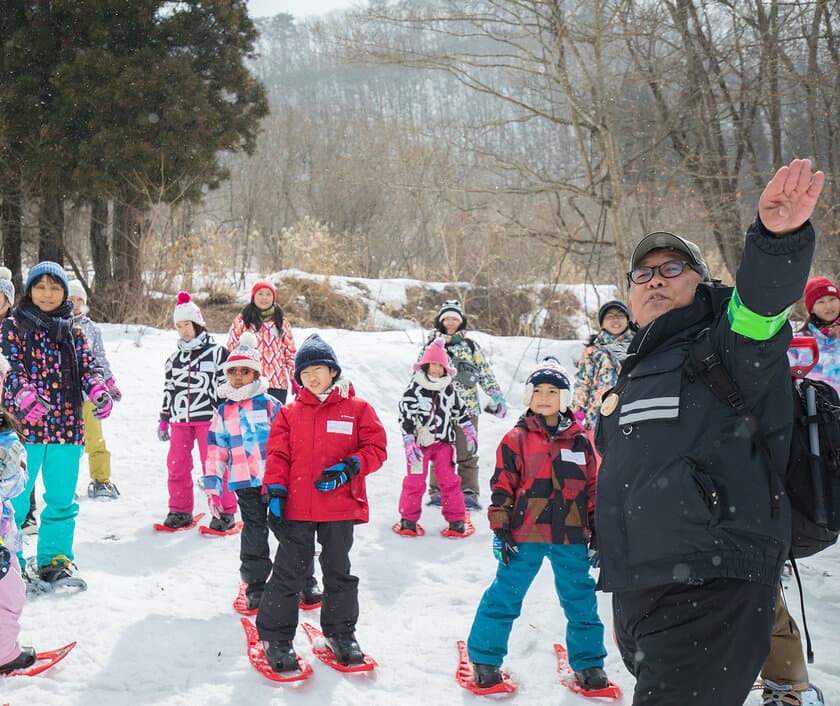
point(786, 662)
point(99, 458)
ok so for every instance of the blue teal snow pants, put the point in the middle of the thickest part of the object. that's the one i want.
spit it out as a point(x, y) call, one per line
point(59, 464)
point(501, 604)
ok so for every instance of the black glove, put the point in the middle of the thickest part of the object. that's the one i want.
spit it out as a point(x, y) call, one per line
point(504, 545)
point(594, 552)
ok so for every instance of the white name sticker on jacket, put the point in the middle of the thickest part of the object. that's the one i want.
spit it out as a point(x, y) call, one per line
point(207, 366)
point(257, 416)
point(577, 457)
point(336, 427)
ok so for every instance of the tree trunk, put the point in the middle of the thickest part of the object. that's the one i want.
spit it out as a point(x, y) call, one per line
point(51, 227)
point(10, 224)
point(126, 248)
point(105, 293)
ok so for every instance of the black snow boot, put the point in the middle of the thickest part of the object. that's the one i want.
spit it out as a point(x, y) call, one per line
point(487, 675)
point(281, 655)
point(457, 526)
point(409, 525)
point(592, 678)
point(223, 522)
point(346, 649)
point(178, 519)
point(25, 659)
point(311, 595)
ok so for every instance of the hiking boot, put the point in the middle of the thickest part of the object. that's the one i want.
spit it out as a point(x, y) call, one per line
point(30, 525)
point(223, 523)
point(346, 649)
point(486, 675)
point(471, 501)
point(60, 568)
point(25, 659)
point(457, 526)
point(175, 520)
point(281, 655)
point(434, 499)
point(409, 525)
point(592, 678)
point(105, 490)
point(311, 595)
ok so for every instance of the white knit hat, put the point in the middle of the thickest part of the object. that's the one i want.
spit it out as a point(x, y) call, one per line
point(75, 289)
point(245, 355)
point(187, 310)
point(549, 371)
point(7, 287)
point(4, 367)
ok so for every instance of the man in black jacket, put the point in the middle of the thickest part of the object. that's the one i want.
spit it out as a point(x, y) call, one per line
point(691, 526)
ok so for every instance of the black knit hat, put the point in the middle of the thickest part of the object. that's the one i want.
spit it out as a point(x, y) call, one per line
point(612, 304)
point(451, 307)
point(315, 351)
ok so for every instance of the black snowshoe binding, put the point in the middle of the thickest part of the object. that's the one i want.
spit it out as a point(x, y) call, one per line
point(592, 678)
point(176, 520)
point(222, 523)
point(486, 675)
point(281, 655)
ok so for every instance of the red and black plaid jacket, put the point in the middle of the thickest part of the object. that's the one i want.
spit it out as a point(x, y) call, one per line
point(543, 487)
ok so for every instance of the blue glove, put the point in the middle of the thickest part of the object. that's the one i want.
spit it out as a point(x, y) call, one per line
point(337, 475)
point(504, 545)
point(276, 500)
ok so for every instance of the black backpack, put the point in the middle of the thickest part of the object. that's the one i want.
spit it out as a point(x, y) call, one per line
point(812, 483)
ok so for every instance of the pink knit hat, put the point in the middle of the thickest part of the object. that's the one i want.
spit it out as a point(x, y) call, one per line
point(435, 353)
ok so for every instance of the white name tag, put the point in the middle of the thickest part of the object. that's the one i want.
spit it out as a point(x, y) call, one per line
point(207, 366)
point(257, 416)
point(577, 457)
point(336, 427)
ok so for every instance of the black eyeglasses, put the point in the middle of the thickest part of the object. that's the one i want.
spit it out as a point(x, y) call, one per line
point(668, 270)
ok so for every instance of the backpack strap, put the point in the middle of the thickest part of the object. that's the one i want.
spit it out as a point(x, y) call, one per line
point(705, 362)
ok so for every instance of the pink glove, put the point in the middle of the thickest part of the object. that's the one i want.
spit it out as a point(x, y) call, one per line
point(214, 502)
point(101, 400)
point(113, 390)
point(30, 404)
point(472, 437)
point(413, 453)
point(163, 430)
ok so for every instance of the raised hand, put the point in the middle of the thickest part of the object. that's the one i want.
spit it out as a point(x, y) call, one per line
point(789, 198)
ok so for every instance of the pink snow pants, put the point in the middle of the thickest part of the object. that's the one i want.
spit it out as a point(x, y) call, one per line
point(12, 597)
point(179, 461)
point(414, 485)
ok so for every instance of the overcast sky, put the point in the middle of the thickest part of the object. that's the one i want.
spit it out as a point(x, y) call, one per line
point(298, 8)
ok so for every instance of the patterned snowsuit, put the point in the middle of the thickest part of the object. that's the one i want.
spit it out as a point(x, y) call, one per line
point(597, 371)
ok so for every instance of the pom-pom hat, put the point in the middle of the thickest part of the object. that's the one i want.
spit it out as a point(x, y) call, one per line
point(435, 353)
point(315, 351)
point(7, 287)
point(817, 288)
point(550, 372)
point(187, 310)
point(245, 355)
point(47, 267)
point(451, 307)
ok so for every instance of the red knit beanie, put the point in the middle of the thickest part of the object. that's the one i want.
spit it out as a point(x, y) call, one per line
point(817, 288)
point(263, 285)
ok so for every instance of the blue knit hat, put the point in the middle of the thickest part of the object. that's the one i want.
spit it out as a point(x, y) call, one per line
point(315, 351)
point(47, 267)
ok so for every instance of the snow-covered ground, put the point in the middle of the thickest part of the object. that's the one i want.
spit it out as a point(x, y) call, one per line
point(156, 625)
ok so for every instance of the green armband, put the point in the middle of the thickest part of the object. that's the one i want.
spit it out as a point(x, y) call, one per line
point(752, 325)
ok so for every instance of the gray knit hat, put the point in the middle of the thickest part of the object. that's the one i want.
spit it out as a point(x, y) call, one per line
point(7, 287)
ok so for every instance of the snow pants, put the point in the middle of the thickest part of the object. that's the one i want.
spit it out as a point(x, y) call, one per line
point(501, 604)
point(278, 616)
point(179, 463)
point(59, 465)
point(786, 662)
point(467, 464)
point(12, 598)
point(414, 485)
point(254, 553)
point(694, 645)
point(99, 458)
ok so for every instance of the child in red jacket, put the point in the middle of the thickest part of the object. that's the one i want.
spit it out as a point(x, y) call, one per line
point(543, 498)
point(320, 449)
